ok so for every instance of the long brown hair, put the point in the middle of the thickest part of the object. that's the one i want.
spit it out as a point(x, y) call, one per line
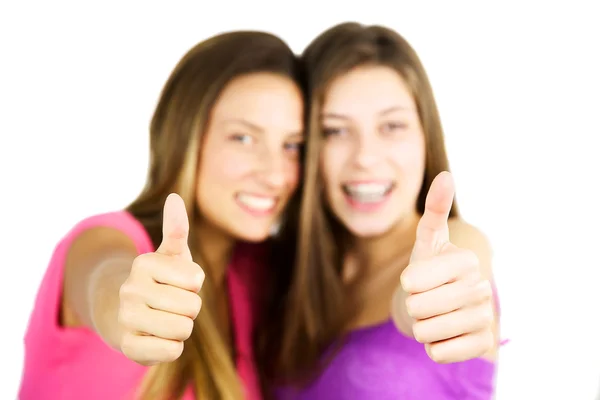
point(176, 130)
point(317, 307)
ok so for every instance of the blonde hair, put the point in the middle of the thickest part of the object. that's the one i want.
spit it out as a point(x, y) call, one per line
point(179, 121)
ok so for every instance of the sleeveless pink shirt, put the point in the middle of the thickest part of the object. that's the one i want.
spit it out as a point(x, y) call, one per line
point(74, 363)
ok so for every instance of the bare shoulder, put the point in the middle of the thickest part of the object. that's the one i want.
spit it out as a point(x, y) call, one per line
point(463, 233)
point(467, 236)
point(98, 240)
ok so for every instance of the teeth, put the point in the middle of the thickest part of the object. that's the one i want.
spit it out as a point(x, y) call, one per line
point(368, 192)
point(368, 188)
point(255, 202)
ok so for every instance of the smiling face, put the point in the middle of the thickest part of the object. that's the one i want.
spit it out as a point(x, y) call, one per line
point(373, 159)
point(249, 165)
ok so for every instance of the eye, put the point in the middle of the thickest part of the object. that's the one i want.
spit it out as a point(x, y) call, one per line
point(293, 147)
point(393, 127)
point(242, 138)
point(330, 131)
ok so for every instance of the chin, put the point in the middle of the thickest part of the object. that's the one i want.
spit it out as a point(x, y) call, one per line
point(253, 236)
point(368, 230)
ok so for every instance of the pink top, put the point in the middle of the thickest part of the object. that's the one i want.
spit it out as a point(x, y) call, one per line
point(74, 363)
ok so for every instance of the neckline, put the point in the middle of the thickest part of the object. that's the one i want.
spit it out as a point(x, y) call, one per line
point(369, 328)
point(386, 324)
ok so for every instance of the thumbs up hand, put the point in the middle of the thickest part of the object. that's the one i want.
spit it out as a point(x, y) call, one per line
point(159, 300)
point(446, 295)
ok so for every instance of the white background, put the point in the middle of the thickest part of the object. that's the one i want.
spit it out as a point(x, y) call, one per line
point(518, 92)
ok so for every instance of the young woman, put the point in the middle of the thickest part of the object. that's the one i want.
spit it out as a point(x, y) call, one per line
point(378, 211)
point(226, 137)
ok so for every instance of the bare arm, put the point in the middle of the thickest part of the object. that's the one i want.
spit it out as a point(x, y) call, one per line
point(97, 264)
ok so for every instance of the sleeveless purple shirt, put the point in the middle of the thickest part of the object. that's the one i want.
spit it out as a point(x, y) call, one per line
point(380, 363)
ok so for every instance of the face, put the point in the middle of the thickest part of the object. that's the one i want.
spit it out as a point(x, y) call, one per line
point(249, 162)
point(373, 160)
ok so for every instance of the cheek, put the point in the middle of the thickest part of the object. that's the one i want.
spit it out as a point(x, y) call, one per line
point(409, 157)
point(218, 180)
point(332, 161)
point(218, 168)
point(292, 173)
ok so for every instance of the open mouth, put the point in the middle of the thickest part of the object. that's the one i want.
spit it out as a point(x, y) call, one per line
point(367, 195)
point(257, 205)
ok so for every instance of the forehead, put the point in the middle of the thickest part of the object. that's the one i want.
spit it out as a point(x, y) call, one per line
point(367, 89)
point(262, 99)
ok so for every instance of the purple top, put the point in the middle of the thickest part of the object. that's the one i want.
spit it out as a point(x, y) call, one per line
point(379, 362)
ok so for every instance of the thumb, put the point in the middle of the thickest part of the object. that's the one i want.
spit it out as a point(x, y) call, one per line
point(432, 230)
point(175, 228)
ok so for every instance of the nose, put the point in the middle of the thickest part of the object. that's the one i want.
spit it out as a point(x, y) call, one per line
point(367, 152)
point(273, 170)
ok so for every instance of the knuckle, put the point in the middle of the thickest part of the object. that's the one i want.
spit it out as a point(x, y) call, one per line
point(128, 345)
point(479, 292)
point(405, 280)
point(172, 350)
point(411, 307)
point(128, 290)
point(487, 340)
point(141, 262)
point(435, 354)
point(419, 332)
point(486, 290)
point(470, 258)
point(487, 315)
point(144, 264)
point(198, 276)
point(126, 317)
point(195, 306)
point(185, 329)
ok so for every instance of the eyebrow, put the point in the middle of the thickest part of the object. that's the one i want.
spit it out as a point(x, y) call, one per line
point(297, 134)
point(241, 121)
point(380, 113)
point(258, 129)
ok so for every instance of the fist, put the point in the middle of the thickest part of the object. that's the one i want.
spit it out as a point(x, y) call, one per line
point(159, 300)
point(447, 300)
